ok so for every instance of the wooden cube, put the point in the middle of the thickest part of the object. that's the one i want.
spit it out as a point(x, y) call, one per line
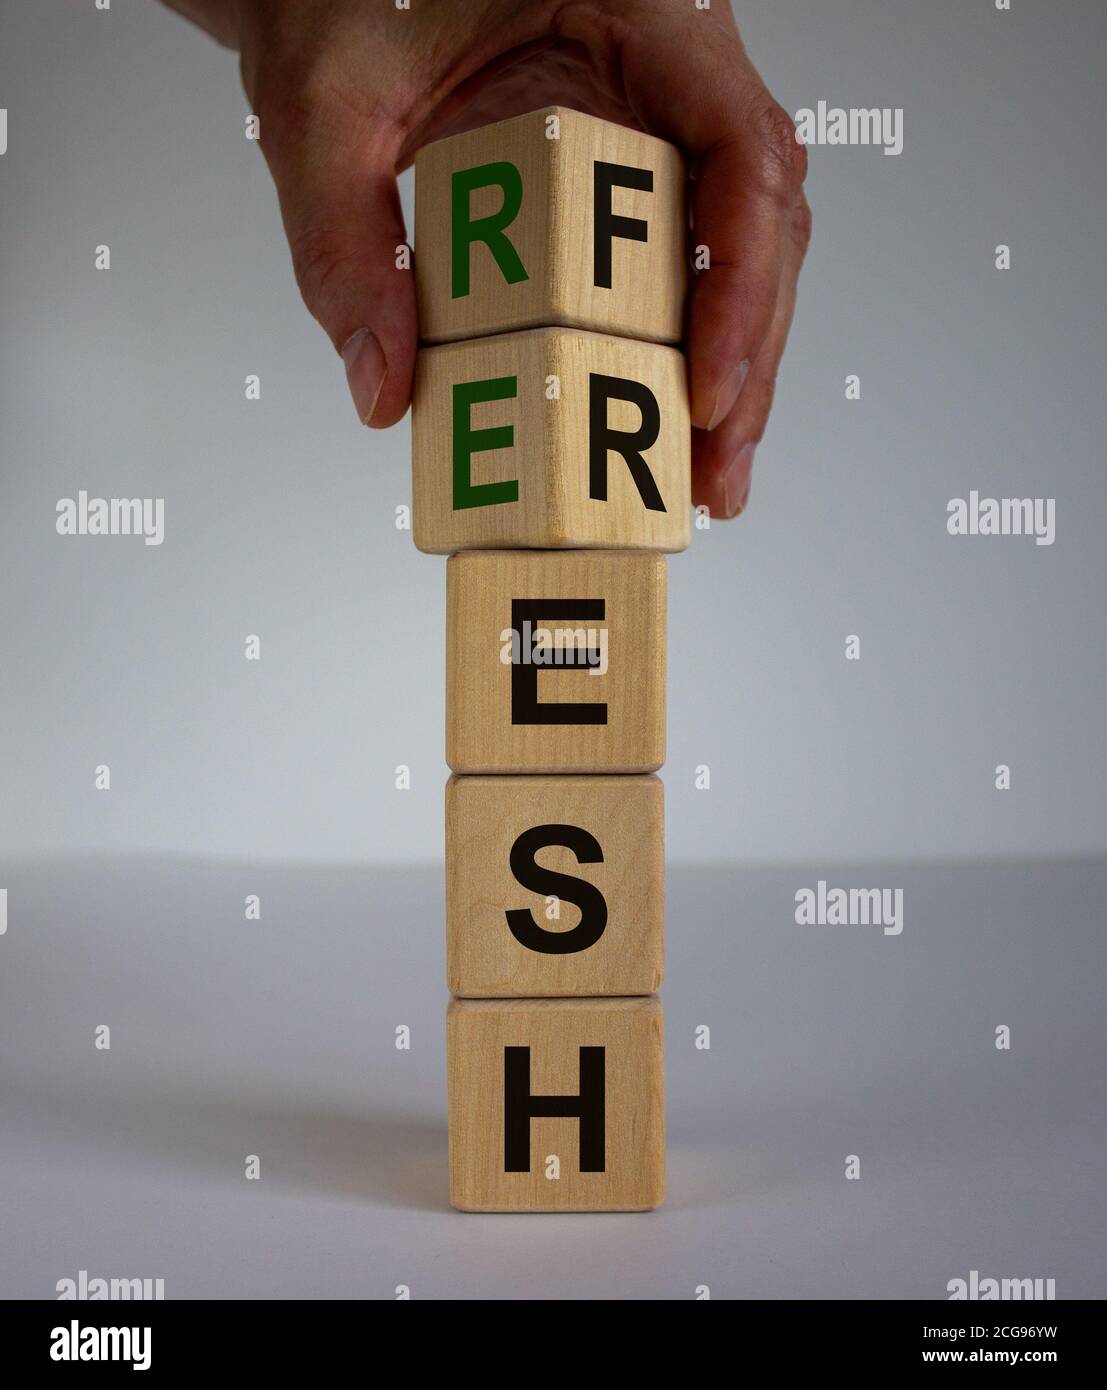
point(551, 217)
point(551, 438)
point(555, 661)
point(555, 886)
point(556, 1104)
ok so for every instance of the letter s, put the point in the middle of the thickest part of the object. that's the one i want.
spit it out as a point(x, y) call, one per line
point(592, 904)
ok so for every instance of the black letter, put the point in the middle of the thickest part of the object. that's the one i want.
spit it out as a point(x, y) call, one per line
point(520, 1107)
point(525, 706)
point(592, 904)
point(605, 224)
point(630, 443)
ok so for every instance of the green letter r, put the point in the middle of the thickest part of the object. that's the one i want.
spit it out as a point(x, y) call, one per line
point(464, 231)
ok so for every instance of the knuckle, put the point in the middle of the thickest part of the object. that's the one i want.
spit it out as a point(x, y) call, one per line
point(781, 158)
point(295, 90)
point(279, 95)
point(801, 223)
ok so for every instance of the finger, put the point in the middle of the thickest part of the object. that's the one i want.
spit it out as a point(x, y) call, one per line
point(748, 169)
point(342, 216)
point(722, 459)
point(738, 215)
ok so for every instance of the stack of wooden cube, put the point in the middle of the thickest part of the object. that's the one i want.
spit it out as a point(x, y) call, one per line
point(551, 461)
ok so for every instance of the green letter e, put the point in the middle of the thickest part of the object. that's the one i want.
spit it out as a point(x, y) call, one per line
point(468, 441)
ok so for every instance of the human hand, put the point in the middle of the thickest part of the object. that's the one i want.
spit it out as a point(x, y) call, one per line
point(348, 90)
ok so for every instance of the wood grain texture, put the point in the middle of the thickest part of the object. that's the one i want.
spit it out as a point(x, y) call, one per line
point(609, 391)
point(553, 232)
point(552, 819)
point(487, 592)
point(630, 1133)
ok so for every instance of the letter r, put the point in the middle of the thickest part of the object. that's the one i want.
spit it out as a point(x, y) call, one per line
point(632, 444)
point(465, 230)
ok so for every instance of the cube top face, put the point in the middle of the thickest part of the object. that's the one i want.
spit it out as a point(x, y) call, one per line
point(555, 661)
point(552, 438)
point(554, 886)
point(515, 229)
point(514, 1064)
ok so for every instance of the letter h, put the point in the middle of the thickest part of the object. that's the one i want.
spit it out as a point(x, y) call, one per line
point(520, 1107)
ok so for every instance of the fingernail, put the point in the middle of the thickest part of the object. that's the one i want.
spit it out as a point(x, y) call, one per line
point(728, 393)
point(366, 369)
point(737, 481)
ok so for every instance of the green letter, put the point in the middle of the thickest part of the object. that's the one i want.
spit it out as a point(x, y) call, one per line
point(468, 441)
point(490, 230)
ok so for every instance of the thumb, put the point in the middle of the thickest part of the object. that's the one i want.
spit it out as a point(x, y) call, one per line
point(345, 228)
